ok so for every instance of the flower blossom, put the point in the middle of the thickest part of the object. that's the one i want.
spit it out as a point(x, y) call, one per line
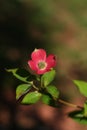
point(40, 63)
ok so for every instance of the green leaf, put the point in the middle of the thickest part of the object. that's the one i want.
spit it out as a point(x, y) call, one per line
point(79, 117)
point(82, 86)
point(31, 98)
point(48, 77)
point(22, 89)
point(53, 91)
point(18, 76)
point(46, 99)
point(85, 109)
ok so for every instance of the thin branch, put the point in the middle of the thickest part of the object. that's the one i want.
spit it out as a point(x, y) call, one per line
point(69, 104)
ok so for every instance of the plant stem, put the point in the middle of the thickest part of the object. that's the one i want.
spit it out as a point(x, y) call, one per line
point(34, 85)
point(69, 104)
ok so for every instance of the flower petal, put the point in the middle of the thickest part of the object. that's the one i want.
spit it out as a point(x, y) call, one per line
point(51, 61)
point(38, 54)
point(41, 71)
point(32, 65)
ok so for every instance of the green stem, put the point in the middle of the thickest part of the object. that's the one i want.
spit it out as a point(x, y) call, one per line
point(69, 104)
point(34, 85)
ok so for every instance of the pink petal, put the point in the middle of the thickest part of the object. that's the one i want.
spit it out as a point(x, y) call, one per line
point(41, 71)
point(32, 65)
point(38, 54)
point(51, 61)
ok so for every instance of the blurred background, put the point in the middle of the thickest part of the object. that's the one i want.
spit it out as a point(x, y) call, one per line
point(59, 27)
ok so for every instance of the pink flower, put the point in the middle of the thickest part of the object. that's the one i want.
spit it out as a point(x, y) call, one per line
point(40, 63)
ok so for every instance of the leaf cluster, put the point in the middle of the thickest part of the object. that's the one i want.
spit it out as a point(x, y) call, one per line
point(35, 88)
point(81, 115)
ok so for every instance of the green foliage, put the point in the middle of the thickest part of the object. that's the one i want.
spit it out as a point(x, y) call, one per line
point(85, 109)
point(20, 74)
point(29, 91)
point(47, 78)
point(79, 117)
point(31, 98)
point(82, 86)
point(46, 99)
point(53, 91)
point(22, 89)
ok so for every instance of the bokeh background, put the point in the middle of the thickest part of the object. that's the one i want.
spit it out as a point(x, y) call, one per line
point(59, 27)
